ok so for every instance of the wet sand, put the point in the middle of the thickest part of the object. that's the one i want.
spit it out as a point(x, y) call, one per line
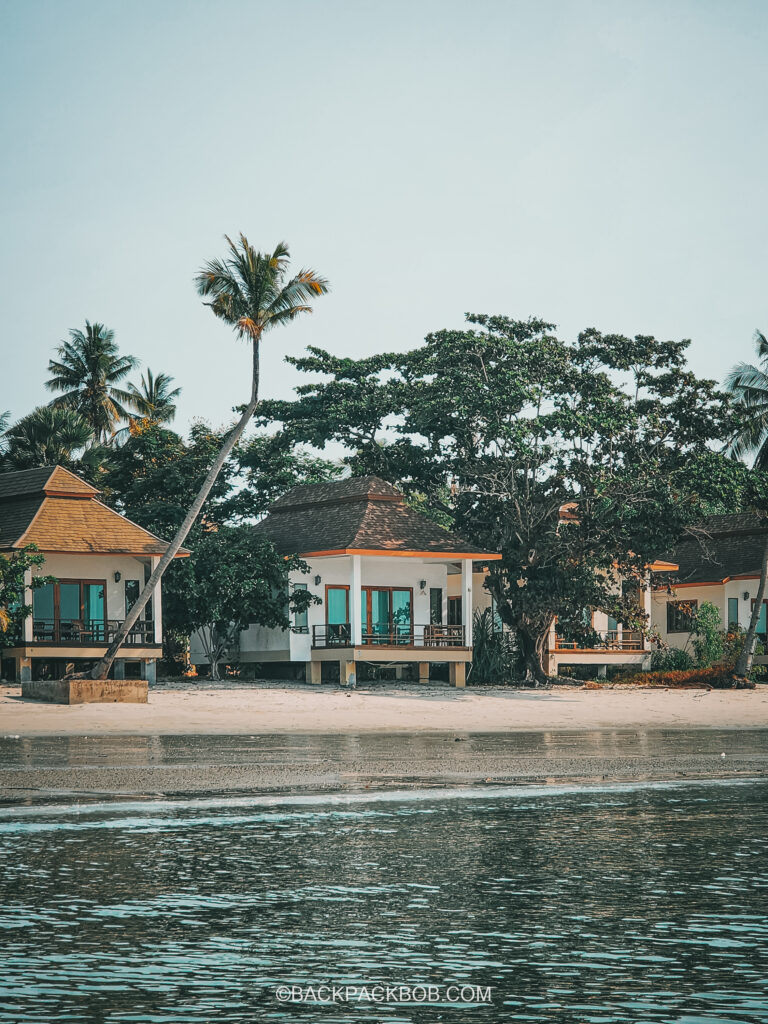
point(79, 768)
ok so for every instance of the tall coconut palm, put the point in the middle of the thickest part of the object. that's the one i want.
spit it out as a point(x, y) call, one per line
point(46, 437)
point(5, 419)
point(250, 291)
point(155, 399)
point(749, 385)
point(88, 371)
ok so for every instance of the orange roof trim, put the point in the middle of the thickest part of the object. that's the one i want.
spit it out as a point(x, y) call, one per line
point(449, 555)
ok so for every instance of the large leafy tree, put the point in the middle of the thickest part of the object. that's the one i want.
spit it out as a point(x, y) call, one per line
point(579, 462)
point(236, 580)
point(253, 293)
point(88, 371)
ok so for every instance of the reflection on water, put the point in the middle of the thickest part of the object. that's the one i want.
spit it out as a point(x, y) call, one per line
point(633, 903)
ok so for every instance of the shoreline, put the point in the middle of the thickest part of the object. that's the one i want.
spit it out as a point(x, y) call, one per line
point(88, 769)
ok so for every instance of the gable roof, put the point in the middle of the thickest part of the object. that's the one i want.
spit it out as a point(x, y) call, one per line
point(360, 515)
point(59, 512)
point(720, 548)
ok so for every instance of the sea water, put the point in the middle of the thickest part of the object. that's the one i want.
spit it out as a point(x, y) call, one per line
point(575, 903)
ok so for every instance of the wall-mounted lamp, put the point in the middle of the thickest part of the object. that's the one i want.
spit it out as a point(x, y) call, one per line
point(318, 580)
point(745, 595)
point(118, 577)
point(422, 584)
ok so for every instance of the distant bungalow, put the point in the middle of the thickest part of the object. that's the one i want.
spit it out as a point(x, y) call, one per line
point(394, 586)
point(100, 561)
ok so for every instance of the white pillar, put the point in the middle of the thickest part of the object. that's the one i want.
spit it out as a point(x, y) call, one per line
point(28, 624)
point(466, 599)
point(157, 604)
point(355, 601)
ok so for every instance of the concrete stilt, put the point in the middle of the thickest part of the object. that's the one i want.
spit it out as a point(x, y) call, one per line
point(423, 671)
point(348, 674)
point(313, 671)
point(457, 673)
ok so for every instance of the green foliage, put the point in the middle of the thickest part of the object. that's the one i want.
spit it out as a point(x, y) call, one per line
point(87, 372)
point(671, 659)
point(708, 635)
point(47, 437)
point(155, 399)
point(494, 657)
point(233, 579)
point(616, 428)
point(748, 382)
point(13, 608)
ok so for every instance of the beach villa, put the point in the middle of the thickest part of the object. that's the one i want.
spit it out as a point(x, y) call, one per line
point(719, 562)
point(99, 560)
point(393, 586)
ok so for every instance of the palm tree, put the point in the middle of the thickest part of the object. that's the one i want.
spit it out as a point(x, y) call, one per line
point(154, 401)
point(87, 372)
point(5, 419)
point(250, 291)
point(749, 385)
point(46, 437)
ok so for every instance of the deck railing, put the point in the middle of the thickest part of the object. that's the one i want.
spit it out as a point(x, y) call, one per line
point(434, 636)
point(90, 632)
point(609, 640)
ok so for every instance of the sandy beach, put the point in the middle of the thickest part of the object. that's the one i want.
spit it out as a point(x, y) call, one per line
point(295, 708)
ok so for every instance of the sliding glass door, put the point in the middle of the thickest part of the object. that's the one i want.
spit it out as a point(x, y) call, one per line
point(386, 615)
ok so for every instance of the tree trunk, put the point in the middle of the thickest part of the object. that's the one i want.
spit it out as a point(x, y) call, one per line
point(102, 667)
point(532, 648)
point(744, 663)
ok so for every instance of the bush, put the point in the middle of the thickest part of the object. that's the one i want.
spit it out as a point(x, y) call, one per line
point(708, 636)
point(672, 659)
point(494, 656)
point(717, 677)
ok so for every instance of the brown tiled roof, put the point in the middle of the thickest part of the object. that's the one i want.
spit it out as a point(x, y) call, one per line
point(720, 548)
point(361, 514)
point(57, 511)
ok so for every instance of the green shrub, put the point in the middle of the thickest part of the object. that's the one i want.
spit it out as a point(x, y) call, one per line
point(494, 655)
point(671, 659)
point(708, 635)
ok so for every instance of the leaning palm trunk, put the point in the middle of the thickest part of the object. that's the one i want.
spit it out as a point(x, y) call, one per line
point(744, 663)
point(102, 667)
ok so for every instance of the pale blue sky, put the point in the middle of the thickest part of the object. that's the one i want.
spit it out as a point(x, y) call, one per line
point(593, 163)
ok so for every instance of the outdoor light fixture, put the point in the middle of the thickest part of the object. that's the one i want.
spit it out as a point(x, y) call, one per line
point(318, 580)
point(118, 577)
point(422, 584)
point(745, 595)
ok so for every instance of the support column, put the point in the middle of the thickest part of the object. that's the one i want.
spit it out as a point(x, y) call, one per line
point(313, 672)
point(25, 670)
point(466, 599)
point(348, 674)
point(28, 624)
point(602, 672)
point(355, 601)
point(157, 604)
point(119, 668)
point(150, 671)
point(457, 673)
point(423, 671)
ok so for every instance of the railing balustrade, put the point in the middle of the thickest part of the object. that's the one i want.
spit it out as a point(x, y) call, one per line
point(90, 632)
point(435, 635)
point(610, 640)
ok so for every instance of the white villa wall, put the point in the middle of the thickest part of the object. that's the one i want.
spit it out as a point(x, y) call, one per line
point(258, 643)
point(716, 594)
point(102, 567)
